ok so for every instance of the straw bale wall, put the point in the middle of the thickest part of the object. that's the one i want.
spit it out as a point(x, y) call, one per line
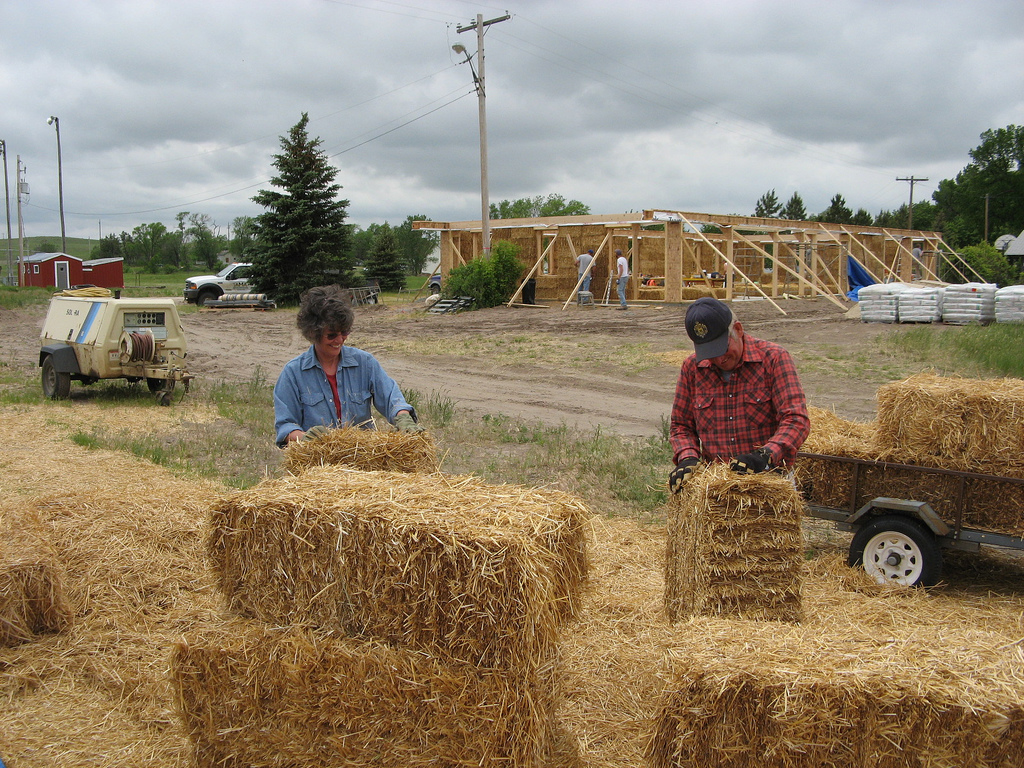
point(446, 565)
point(806, 701)
point(734, 547)
point(968, 424)
point(366, 449)
point(252, 695)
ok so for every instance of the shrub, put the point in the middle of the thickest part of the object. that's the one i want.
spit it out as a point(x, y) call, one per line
point(489, 282)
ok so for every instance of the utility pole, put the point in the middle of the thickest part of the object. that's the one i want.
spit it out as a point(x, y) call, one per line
point(7, 200)
point(910, 211)
point(485, 203)
point(986, 217)
point(21, 187)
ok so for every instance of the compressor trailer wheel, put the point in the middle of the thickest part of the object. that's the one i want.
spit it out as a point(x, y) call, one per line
point(896, 549)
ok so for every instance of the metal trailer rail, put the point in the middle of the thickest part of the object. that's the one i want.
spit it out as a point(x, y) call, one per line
point(874, 521)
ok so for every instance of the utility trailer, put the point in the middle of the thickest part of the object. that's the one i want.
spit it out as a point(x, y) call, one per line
point(92, 337)
point(903, 515)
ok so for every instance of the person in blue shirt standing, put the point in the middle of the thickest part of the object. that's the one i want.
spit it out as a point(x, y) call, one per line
point(330, 384)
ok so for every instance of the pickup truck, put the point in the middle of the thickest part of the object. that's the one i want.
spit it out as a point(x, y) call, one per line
point(234, 278)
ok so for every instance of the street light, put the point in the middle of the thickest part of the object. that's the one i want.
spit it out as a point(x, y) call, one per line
point(54, 121)
point(485, 203)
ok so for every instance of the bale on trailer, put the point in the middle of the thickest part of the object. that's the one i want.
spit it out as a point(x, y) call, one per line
point(734, 547)
point(975, 425)
point(366, 449)
point(447, 565)
point(255, 695)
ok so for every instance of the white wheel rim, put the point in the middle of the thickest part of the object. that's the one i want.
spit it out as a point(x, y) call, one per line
point(893, 558)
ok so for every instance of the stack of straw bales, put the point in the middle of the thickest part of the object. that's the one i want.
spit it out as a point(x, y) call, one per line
point(734, 547)
point(970, 425)
point(366, 449)
point(406, 598)
point(813, 700)
point(32, 595)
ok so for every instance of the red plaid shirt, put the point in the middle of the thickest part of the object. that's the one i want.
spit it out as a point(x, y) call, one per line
point(761, 405)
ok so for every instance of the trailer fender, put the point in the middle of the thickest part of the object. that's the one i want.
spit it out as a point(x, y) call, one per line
point(62, 356)
point(919, 509)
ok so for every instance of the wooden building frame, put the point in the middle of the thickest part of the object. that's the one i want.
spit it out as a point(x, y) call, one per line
point(676, 256)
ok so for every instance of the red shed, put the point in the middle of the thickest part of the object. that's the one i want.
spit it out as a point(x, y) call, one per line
point(106, 273)
point(51, 270)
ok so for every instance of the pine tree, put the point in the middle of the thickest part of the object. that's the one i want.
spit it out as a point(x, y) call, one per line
point(794, 210)
point(302, 239)
point(768, 205)
point(384, 261)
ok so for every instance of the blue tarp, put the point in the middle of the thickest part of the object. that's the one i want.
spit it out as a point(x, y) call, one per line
point(858, 277)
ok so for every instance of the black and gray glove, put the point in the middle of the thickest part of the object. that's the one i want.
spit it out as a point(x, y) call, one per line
point(751, 463)
point(681, 474)
point(315, 433)
point(406, 423)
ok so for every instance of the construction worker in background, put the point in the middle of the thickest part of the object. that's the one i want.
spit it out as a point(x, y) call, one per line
point(622, 272)
point(582, 263)
point(738, 398)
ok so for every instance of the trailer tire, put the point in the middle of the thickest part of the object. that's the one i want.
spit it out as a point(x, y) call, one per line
point(56, 384)
point(896, 549)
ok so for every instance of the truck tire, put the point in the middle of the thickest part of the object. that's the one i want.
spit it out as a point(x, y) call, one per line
point(56, 384)
point(435, 288)
point(205, 295)
point(896, 549)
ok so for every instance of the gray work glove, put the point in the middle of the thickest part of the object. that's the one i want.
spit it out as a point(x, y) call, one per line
point(315, 433)
point(752, 463)
point(407, 423)
point(678, 476)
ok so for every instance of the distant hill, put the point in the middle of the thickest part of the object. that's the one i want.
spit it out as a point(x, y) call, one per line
point(77, 246)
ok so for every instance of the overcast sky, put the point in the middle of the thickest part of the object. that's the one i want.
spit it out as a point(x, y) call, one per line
point(175, 105)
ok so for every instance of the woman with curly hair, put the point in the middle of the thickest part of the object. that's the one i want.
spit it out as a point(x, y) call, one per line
point(330, 384)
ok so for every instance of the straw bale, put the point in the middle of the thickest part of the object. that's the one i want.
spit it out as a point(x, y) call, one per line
point(734, 547)
point(366, 449)
point(813, 701)
point(32, 596)
point(969, 424)
point(448, 565)
point(255, 695)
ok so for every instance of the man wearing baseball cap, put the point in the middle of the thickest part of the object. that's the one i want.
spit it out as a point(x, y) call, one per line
point(738, 399)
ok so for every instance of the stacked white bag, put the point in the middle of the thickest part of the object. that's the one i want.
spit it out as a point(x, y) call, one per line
point(920, 304)
point(1010, 304)
point(879, 303)
point(969, 303)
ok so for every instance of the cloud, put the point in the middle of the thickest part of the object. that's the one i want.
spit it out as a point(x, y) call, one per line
point(166, 107)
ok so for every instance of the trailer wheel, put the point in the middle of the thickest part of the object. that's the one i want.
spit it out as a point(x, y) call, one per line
point(56, 384)
point(896, 549)
point(155, 385)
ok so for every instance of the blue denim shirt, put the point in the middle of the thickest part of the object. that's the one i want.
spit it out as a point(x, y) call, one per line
point(303, 397)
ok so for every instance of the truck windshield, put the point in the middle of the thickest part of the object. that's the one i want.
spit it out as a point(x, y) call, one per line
point(224, 272)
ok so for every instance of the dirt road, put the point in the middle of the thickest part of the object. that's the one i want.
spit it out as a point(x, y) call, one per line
point(586, 367)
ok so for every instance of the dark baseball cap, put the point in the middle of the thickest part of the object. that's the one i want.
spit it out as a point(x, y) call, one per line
point(707, 325)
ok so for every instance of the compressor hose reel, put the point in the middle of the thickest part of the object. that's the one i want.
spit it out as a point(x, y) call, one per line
point(137, 346)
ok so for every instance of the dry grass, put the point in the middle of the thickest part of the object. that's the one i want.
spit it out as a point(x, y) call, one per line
point(130, 539)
